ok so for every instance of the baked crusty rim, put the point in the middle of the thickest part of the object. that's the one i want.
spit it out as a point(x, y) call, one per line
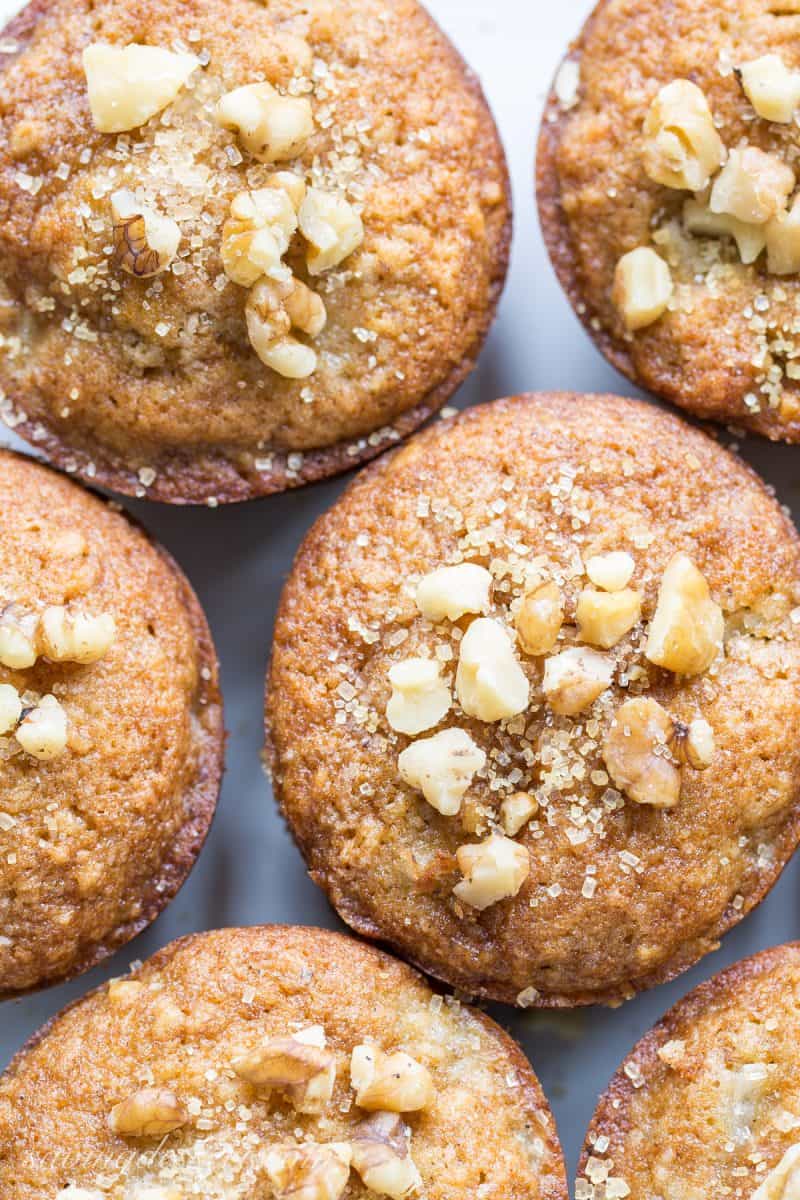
point(187, 479)
point(611, 1115)
point(558, 242)
point(786, 842)
point(201, 801)
point(531, 1087)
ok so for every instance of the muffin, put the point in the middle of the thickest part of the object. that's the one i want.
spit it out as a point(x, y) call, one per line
point(533, 695)
point(245, 244)
point(706, 1104)
point(668, 159)
point(111, 736)
point(274, 1062)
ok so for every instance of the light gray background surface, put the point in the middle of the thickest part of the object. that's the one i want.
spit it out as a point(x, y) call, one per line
point(238, 557)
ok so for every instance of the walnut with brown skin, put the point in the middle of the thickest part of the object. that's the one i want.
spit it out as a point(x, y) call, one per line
point(150, 1112)
point(638, 756)
point(310, 1171)
point(382, 1157)
point(145, 242)
point(300, 1066)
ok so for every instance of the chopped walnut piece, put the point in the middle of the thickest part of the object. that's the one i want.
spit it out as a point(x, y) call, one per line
point(605, 617)
point(642, 287)
point(10, 708)
point(65, 636)
point(752, 186)
point(300, 1066)
point(332, 228)
point(382, 1157)
point(42, 732)
point(672, 1052)
point(783, 1181)
point(145, 242)
point(394, 1082)
point(750, 239)
point(257, 234)
point(442, 767)
point(420, 697)
point(124, 992)
point(517, 810)
point(292, 184)
point(493, 870)
point(540, 616)
point(772, 89)
point(269, 322)
point(309, 1171)
point(271, 127)
point(150, 1112)
point(695, 744)
point(129, 84)
point(575, 678)
point(17, 639)
point(637, 755)
point(682, 148)
point(783, 242)
point(611, 571)
point(490, 683)
point(686, 631)
point(450, 592)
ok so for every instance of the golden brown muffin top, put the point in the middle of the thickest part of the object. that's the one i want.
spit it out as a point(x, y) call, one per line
point(192, 1021)
point(107, 792)
point(707, 1102)
point(614, 860)
point(726, 347)
point(153, 383)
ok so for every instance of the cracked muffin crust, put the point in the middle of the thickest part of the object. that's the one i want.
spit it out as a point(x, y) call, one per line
point(532, 694)
point(269, 1062)
point(111, 737)
point(283, 255)
point(656, 138)
point(707, 1103)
